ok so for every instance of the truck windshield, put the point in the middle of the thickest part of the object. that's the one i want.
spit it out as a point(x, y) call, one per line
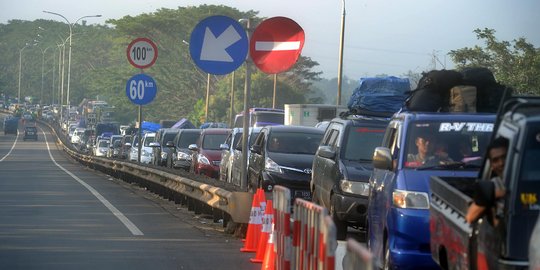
point(438, 143)
point(361, 142)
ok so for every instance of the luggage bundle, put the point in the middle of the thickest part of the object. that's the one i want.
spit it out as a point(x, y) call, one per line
point(471, 90)
point(379, 94)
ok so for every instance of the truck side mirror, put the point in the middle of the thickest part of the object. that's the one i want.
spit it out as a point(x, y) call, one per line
point(382, 159)
point(326, 152)
point(485, 193)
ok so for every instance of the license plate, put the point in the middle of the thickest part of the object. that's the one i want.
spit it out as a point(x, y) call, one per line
point(304, 194)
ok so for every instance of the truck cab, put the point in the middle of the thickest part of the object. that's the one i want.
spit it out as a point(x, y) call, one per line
point(417, 145)
point(485, 243)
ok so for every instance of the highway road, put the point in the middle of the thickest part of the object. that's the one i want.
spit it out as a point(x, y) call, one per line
point(57, 214)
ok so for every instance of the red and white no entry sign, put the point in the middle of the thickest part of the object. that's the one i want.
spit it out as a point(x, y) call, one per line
point(142, 53)
point(276, 44)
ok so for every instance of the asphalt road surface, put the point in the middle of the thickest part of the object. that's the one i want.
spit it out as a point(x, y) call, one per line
point(57, 214)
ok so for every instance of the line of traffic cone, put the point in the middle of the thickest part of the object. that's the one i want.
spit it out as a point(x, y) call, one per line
point(267, 223)
point(255, 223)
point(269, 253)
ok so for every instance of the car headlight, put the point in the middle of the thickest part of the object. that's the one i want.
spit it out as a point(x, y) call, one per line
point(271, 166)
point(358, 188)
point(182, 155)
point(202, 159)
point(145, 153)
point(410, 199)
point(164, 155)
point(103, 150)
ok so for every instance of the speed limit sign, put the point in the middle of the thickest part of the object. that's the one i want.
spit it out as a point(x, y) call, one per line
point(142, 53)
point(141, 89)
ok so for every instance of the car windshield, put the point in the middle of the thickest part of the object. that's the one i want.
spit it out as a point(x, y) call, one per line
point(265, 118)
point(148, 140)
point(360, 142)
point(103, 144)
point(168, 137)
point(436, 144)
point(187, 138)
point(31, 129)
point(212, 141)
point(294, 142)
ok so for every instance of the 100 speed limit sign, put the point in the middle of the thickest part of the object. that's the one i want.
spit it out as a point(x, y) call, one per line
point(141, 89)
point(142, 53)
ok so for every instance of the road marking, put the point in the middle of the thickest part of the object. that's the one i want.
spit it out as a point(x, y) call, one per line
point(12, 147)
point(131, 227)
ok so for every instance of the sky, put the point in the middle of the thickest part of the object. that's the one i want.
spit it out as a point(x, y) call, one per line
point(381, 36)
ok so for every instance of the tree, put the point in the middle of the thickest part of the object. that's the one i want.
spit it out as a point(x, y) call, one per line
point(515, 63)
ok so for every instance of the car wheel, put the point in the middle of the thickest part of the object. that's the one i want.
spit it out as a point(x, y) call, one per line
point(387, 264)
point(341, 226)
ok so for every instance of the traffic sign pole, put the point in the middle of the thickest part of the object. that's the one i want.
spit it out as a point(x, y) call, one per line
point(139, 146)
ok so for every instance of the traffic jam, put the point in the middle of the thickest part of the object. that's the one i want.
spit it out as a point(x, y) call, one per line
point(439, 173)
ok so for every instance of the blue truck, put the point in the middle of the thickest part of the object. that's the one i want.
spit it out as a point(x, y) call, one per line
point(416, 146)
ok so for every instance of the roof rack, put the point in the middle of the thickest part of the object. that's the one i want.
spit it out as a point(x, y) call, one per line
point(364, 114)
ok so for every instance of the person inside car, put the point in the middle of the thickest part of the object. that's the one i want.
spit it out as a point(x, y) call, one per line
point(497, 158)
point(424, 152)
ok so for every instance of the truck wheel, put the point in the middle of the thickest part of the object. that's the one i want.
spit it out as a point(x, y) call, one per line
point(341, 226)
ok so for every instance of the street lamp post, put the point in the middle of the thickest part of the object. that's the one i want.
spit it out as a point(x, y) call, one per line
point(341, 41)
point(20, 69)
point(70, 38)
point(42, 70)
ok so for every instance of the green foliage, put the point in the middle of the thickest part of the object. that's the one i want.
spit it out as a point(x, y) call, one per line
point(100, 70)
point(515, 63)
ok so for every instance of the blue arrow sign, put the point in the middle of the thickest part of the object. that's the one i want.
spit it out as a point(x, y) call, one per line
point(218, 45)
point(141, 89)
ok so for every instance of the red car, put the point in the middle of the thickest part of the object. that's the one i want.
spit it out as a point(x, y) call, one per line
point(206, 153)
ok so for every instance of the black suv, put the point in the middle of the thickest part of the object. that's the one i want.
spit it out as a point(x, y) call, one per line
point(283, 155)
point(181, 155)
point(30, 133)
point(342, 166)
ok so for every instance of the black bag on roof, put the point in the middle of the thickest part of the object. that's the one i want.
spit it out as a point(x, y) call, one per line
point(489, 93)
point(433, 91)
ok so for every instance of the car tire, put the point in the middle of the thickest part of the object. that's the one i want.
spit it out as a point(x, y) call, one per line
point(341, 226)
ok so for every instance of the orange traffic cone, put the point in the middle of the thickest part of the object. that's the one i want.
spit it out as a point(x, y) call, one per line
point(269, 254)
point(254, 226)
point(265, 233)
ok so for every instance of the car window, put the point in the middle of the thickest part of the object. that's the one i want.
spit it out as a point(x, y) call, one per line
point(530, 171)
point(103, 144)
point(187, 138)
point(294, 142)
point(360, 142)
point(212, 141)
point(168, 137)
point(149, 140)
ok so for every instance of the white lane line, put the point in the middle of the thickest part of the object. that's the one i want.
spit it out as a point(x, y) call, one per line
point(14, 143)
point(131, 227)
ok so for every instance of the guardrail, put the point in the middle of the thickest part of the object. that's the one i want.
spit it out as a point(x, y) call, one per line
point(199, 197)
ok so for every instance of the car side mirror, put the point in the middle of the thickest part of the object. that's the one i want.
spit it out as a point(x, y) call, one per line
point(326, 152)
point(255, 149)
point(224, 146)
point(169, 144)
point(127, 144)
point(382, 159)
point(193, 147)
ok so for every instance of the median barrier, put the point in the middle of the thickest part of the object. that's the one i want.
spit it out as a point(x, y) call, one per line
point(199, 197)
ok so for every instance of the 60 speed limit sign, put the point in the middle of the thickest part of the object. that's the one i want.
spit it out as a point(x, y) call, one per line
point(142, 53)
point(141, 89)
